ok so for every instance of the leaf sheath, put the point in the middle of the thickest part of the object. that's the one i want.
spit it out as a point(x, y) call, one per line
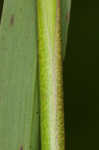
point(50, 70)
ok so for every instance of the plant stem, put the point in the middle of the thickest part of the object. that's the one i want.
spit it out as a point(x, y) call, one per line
point(50, 71)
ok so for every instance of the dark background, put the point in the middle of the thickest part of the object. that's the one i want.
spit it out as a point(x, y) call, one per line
point(81, 77)
point(1, 7)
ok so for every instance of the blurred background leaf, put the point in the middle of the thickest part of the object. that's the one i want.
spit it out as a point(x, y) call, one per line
point(65, 11)
point(1, 7)
point(19, 116)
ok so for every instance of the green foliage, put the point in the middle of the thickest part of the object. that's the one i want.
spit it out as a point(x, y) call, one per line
point(65, 12)
point(19, 102)
point(19, 120)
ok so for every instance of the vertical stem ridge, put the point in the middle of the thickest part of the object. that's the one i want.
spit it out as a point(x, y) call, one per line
point(50, 71)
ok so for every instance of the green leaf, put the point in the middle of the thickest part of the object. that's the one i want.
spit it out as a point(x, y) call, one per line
point(19, 120)
point(65, 11)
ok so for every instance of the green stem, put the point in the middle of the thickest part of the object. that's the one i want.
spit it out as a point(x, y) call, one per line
point(50, 70)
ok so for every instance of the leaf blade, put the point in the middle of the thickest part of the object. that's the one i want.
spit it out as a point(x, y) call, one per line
point(18, 67)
